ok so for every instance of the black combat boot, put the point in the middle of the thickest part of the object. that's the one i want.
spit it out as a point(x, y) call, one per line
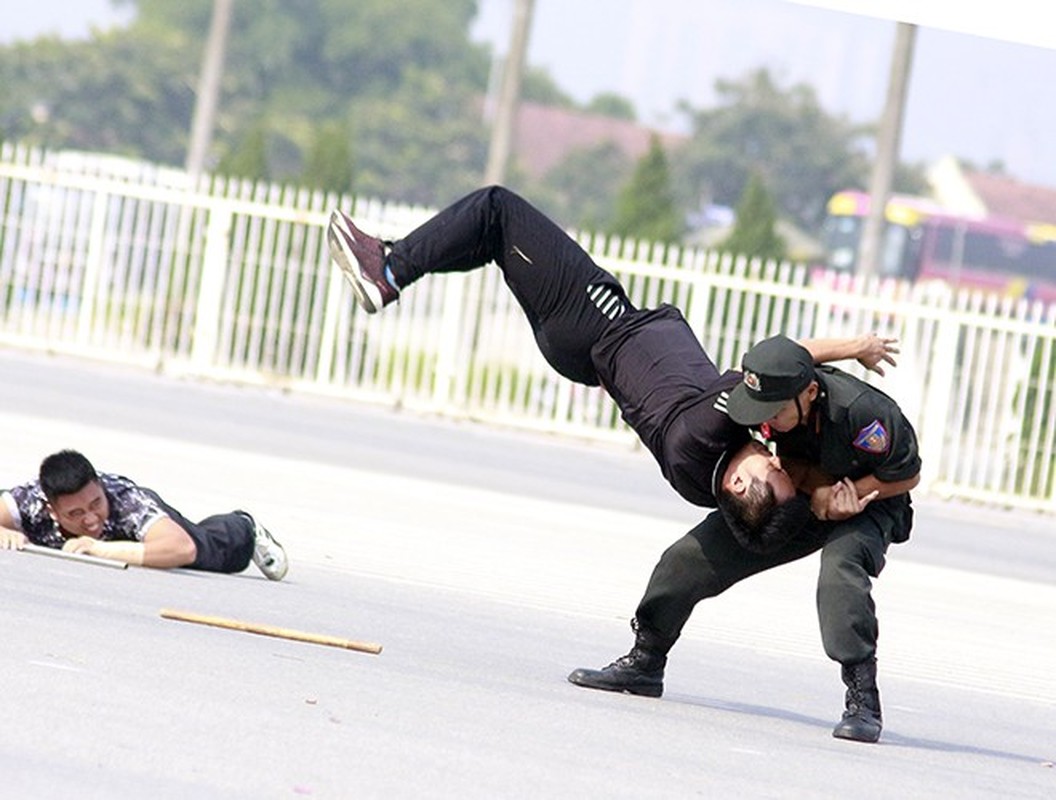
point(641, 671)
point(861, 721)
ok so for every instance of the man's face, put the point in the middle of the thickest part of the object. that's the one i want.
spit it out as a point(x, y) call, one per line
point(82, 513)
point(754, 462)
point(789, 416)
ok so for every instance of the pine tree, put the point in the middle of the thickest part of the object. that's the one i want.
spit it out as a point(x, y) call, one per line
point(645, 208)
point(329, 162)
point(249, 159)
point(754, 233)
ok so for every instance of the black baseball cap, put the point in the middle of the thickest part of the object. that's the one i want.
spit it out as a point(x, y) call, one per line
point(775, 371)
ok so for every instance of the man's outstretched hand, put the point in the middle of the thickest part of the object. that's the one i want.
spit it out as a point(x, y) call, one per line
point(876, 350)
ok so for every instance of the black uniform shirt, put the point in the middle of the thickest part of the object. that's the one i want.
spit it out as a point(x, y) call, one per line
point(672, 395)
point(855, 430)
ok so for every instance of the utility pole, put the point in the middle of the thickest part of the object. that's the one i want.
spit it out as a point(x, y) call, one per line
point(208, 88)
point(509, 94)
point(888, 140)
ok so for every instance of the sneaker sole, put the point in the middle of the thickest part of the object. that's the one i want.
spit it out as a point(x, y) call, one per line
point(269, 570)
point(348, 263)
point(272, 575)
point(259, 532)
point(280, 565)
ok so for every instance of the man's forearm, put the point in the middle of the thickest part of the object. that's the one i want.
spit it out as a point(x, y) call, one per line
point(869, 350)
point(824, 350)
point(871, 483)
point(127, 551)
point(847, 498)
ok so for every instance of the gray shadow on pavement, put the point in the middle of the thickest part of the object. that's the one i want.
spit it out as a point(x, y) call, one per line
point(889, 738)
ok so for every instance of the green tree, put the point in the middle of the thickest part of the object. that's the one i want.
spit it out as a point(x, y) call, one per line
point(329, 163)
point(249, 158)
point(645, 207)
point(612, 105)
point(127, 95)
point(406, 81)
point(418, 144)
point(580, 191)
point(803, 154)
point(298, 64)
point(304, 63)
point(537, 86)
point(754, 232)
point(910, 178)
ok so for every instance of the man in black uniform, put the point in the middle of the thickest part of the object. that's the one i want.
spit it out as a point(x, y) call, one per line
point(852, 444)
point(649, 361)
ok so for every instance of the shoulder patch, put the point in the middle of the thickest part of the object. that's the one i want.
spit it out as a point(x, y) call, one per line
point(873, 438)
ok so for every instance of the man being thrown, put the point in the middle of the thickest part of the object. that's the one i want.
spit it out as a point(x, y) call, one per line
point(74, 508)
point(649, 361)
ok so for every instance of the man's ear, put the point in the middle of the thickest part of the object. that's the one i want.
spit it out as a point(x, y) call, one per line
point(51, 513)
point(735, 483)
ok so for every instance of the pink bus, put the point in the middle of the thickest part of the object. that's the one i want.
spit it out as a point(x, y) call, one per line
point(923, 242)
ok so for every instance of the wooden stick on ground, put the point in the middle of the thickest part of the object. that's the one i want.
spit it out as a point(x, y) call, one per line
point(38, 550)
point(271, 630)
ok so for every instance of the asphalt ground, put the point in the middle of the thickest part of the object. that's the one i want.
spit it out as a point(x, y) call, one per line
point(488, 564)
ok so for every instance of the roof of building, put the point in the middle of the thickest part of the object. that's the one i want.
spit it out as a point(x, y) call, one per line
point(1004, 196)
point(546, 135)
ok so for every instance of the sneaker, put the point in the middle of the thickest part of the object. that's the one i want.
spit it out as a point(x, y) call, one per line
point(268, 554)
point(362, 260)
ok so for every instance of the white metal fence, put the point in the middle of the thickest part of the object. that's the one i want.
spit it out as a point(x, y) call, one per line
point(232, 280)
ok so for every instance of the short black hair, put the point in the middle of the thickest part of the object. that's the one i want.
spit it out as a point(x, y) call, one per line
point(758, 522)
point(65, 472)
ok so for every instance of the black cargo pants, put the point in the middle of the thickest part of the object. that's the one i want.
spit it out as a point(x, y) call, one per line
point(708, 560)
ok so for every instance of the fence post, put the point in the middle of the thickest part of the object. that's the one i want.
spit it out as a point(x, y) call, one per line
point(695, 305)
point(447, 346)
point(335, 303)
point(935, 408)
point(90, 288)
point(211, 288)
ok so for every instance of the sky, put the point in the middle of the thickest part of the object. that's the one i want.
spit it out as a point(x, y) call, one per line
point(976, 97)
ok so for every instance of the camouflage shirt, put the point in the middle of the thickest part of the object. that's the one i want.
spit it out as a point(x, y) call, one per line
point(132, 511)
